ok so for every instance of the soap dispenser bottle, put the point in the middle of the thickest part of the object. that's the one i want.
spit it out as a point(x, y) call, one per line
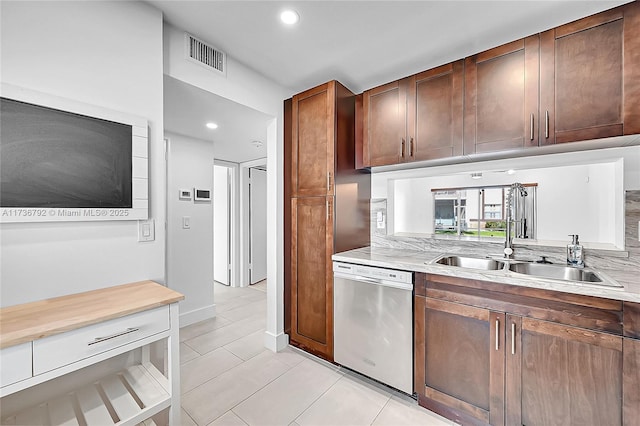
point(574, 252)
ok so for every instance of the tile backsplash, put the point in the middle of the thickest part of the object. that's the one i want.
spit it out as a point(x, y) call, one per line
point(624, 263)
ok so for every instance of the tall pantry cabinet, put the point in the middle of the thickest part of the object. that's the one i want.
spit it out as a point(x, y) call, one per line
point(329, 208)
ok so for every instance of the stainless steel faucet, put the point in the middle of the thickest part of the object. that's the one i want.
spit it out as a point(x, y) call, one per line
point(508, 242)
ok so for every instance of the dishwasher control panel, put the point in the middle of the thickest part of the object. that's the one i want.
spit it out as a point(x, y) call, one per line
point(374, 272)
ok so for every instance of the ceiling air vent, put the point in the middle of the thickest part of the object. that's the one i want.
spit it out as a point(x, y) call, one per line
point(202, 53)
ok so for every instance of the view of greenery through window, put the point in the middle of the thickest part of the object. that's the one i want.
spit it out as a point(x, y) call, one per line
point(474, 212)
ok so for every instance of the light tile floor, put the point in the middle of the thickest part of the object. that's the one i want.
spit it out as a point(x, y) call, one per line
point(229, 378)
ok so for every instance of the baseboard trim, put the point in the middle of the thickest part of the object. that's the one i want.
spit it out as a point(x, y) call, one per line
point(276, 343)
point(197, 315)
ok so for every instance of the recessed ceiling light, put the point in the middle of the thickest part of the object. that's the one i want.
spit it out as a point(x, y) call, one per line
point(212, 125)
point(476, 175)
point(511, 172)
point(289, 17)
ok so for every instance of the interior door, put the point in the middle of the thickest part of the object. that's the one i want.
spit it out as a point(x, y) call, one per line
point(257, 224)
point(221, 224)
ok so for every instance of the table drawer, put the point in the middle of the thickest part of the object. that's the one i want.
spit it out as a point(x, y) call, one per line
point(15, 363)
point(63, 349)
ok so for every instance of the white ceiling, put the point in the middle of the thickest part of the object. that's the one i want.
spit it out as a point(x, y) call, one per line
point(188, 108)
point(360, 43)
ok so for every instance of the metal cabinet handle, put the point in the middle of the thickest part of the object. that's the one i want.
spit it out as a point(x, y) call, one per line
point(328, 207)
point(328, 181)
point(513, 338)
point(114, 335)
point(531, 135)
point(497, 335)
point(546, 124)
point(402, 148)
point(411, 148)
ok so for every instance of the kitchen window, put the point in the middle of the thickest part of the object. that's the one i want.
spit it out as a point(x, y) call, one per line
point(482, 212)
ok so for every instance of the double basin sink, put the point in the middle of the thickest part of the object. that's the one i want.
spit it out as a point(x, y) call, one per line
point(538, 270)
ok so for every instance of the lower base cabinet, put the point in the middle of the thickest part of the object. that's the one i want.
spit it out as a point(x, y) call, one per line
point(454, 374)
point(561, 375)
point(487, 353)
point(631, 380)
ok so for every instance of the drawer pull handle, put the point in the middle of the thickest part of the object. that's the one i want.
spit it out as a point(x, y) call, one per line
point(513, 339)
point(497, 335)
point(112, 336)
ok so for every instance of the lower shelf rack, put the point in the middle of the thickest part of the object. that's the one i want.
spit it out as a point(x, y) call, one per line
point(128, 397)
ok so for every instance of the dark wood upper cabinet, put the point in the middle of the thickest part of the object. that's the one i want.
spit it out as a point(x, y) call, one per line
point(384, 128)
point(416, 118)
point(313, 135)
point(576, 82)
point(501, 97)
point(435, 111)
point(590, 77)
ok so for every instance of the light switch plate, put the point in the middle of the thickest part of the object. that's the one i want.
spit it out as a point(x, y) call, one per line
point(146, 230)
point(186, 222)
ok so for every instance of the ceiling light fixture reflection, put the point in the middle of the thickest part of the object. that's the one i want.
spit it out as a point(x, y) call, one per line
point(289, 17)
point(511, 172)
point(476, 175)
point(211, 125)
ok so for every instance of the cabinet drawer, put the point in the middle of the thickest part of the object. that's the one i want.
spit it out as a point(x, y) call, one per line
point(62, 349)
point(16, 364)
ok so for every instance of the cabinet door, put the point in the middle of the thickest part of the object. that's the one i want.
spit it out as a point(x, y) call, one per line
point(590, 77)
point(384, 127)
point(313, 134)
point(434, 118)
point(311, 275)
point(501, 97)
point(460, 361)
point(631, 380)
point(562, 375)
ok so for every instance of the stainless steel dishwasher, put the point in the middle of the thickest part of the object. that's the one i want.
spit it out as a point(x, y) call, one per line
point(373, 323)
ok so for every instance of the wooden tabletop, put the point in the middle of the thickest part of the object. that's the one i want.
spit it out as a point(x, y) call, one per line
point(32, 321)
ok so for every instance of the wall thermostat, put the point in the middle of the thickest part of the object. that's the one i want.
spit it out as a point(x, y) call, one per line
point(201, 194)
point(184, 194)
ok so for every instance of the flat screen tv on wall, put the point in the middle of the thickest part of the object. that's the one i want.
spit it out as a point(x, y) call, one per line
point(72, 163)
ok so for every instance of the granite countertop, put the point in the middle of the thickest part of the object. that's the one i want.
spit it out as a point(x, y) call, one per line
point(418, 261)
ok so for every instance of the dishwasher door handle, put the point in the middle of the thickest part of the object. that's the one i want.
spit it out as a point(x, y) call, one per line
point(375, 281)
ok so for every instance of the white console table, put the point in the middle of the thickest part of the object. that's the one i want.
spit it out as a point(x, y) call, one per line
point(44, 342)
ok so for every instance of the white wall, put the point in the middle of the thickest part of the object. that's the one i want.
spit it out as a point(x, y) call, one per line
point(190, 251)
point(248, 87)
point(107, 54)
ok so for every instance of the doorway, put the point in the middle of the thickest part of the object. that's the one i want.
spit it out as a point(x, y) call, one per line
point(257, 224)
point(222, 223)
